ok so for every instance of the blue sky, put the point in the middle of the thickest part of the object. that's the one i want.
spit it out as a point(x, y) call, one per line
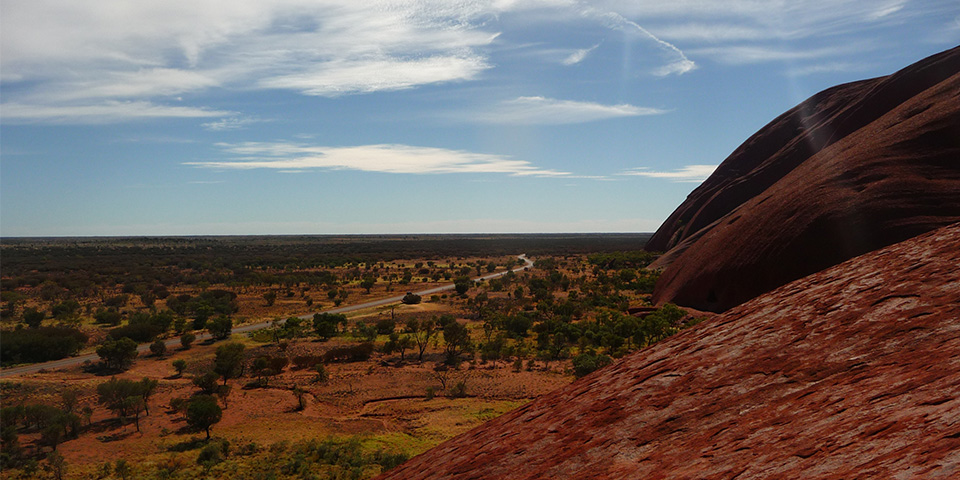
point(258, 117)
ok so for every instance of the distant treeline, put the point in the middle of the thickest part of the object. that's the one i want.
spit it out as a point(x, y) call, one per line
point(77, 263)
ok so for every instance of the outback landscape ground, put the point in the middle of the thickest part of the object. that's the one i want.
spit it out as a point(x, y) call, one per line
point(816, 334)
point(373, 405)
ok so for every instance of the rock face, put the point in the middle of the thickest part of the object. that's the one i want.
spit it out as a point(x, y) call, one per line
point(852, 372)
point(852, 169)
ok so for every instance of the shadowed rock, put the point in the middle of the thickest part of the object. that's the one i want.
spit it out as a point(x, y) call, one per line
point(852, 169)
point(851, 372)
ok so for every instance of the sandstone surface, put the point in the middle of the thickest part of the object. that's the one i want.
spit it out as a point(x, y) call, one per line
point(852, 372)
point(852, 169)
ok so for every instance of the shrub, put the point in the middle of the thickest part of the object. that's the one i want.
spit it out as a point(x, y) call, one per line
point(459, 390)
point(180, 365)
point(322, 375)
point(586, 363)
point(386, 326)
point(306, 361)
point(353, 353)
point(158, 348)
point(108, 316)
point(411, 298)
point(213, 453)
point(40, 344)
point(325, 324)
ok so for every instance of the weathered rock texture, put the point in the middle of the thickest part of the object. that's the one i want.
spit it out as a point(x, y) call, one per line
point(852, 169)
point(852, 372)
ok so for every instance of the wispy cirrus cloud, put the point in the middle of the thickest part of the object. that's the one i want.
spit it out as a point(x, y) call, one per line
point(688, 173)
point(578, 55)
point(106, 112)
point(230, 123)
point(551, 111)
point(344, 77)
point(383, 158)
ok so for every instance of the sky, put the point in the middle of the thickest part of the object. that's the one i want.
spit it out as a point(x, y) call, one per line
point(240, 117)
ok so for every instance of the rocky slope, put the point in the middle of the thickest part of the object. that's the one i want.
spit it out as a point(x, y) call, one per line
point(852, 169)
point(852, 372)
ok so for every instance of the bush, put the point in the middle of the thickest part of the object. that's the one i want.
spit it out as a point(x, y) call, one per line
point(411, 298)
point(325, 324)
point(322, 374)
point(180, 365)
point(586, 363)
point(186, 340)
point(306, 361)
point(215, 452)
point(158, 348)
point(108, 316)
point(386, 326)
point(353, 353)
point(144, 327)
point(459, 390)
point(40, 344)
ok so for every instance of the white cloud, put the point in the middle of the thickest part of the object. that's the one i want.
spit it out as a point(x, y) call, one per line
point(578, 55)
point(343, 77)
point(750, 54)
point(549, 111)
point(229, 123)
point(711, 32)
point(61, 55)
point(689, 173)
point(369, 158)
point(108, 112)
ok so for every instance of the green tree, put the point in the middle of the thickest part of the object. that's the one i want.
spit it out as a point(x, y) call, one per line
point(186, 340)
point(114, 393)
point(134, 405)
point(325, 324)
point(423, 331)
point(207, 382)
point(462, 284)
point(65, 310)
point(457, 340)
point(180, 364)
point(368, 282)
point(270, 297)
point(148, 387)
point(229, 361)
point(118, 354)
point(56, 465)
point(32, 317)
point(203, 412)
point(220, 327)
point(158, 348)
point(108, 316)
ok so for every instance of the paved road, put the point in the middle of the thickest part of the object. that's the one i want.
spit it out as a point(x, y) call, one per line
point(173, 342)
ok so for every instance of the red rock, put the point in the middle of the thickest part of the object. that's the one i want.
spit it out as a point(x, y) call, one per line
point(852, 372)
point(852, 169)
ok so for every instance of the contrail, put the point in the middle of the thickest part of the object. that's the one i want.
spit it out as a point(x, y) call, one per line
point(616, 21)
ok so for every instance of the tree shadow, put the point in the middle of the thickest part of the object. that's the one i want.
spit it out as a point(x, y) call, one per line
point(116, 436)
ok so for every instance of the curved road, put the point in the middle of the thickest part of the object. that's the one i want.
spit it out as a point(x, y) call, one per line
point(71, 361)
